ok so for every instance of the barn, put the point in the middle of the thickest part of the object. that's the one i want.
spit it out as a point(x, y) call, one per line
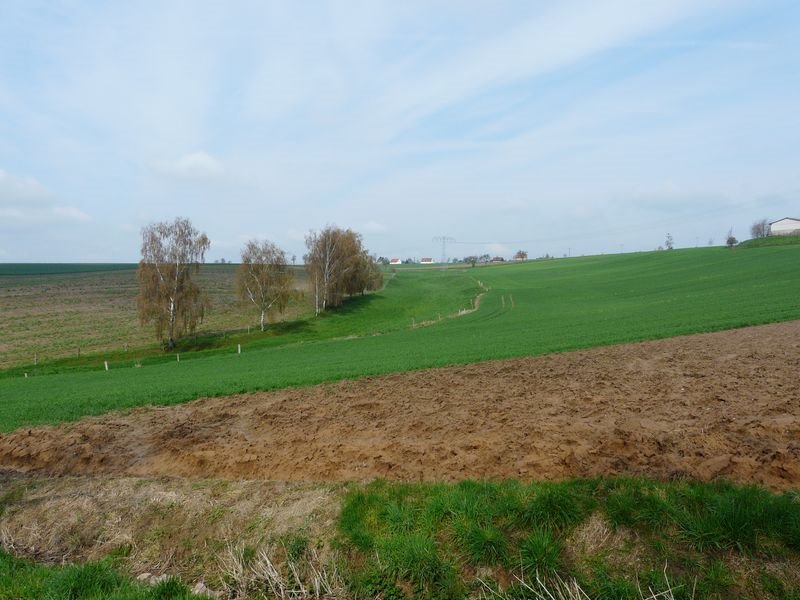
point(426, 261)
point(785, 226)
point(395, 261)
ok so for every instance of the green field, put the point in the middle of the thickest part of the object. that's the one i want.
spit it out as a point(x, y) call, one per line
point(531, 308)
point(771, 240)
point(21, 269)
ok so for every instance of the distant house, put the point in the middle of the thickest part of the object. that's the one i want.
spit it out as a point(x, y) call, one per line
point(395, 261)
point(785, 226)
point(498, 259)
point(426, 261)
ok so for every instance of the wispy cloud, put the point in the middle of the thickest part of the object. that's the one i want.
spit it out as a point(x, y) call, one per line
point(496, 121)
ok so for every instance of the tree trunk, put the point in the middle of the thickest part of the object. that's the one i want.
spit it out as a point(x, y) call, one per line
point(171, 344)
point(262, 320)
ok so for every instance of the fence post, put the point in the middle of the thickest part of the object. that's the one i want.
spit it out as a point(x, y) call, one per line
point(239, 348)
point(105, 362)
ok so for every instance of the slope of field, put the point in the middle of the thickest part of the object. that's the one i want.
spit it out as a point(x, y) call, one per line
point(528, 309)
point(772, 240)
point(76, 321)
point(57, 311)
point(704, 406)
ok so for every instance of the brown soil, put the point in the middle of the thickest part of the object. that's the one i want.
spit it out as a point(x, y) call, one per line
point(715, 405)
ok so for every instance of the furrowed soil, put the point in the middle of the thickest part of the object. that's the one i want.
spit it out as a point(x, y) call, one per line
point(724, 404)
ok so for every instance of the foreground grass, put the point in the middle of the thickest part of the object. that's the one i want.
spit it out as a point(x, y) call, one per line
point(532, 308)
point(613, 538)
point(622, 538)
point(25, 580)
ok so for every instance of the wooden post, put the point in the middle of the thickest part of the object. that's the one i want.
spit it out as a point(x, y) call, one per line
point(239, 348)
point(178, 356)
point(105, 362)
point(35, 358)
point(26, 375)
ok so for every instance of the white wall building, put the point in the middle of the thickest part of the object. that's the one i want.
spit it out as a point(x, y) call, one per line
point(785, 226)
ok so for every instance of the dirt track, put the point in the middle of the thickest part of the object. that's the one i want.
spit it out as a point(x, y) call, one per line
point(725, 404)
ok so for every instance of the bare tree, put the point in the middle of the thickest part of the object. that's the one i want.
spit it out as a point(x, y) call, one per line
point(264, 278)
point(759, 229)
point(731, 241)
point(338, 264)
point(668, 243)
point(171, 253)
point(521, 255)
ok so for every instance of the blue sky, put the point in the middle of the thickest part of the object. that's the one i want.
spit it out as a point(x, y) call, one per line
point(554, 127)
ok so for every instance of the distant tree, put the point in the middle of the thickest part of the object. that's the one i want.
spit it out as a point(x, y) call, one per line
point(731, 241)
point(264, 278)
point(471, 260)
point(338, 264)
point(168, 297)
point(521, 255)
point(294, 258)
point(759, 229)
point(668, 243)
point(710, 241)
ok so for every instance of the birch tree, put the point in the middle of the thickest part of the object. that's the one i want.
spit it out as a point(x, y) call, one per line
point(168, 297)
point(264, 278)
point(337, 265)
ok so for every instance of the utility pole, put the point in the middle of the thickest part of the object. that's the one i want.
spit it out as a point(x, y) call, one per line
point(444, 239)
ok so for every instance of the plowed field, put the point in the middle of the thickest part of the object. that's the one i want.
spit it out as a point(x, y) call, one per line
point(714, 405)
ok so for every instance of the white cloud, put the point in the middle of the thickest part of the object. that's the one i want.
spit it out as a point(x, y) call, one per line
point(195, 165)
point(25, 201)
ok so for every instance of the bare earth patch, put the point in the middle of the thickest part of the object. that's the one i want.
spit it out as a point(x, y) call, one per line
point(725, 404)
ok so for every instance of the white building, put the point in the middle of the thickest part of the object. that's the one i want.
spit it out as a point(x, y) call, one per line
point(785, 226)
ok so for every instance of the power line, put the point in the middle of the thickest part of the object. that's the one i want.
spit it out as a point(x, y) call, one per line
point(444, 239)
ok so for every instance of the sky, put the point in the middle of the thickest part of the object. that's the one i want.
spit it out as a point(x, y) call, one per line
point(563, 127)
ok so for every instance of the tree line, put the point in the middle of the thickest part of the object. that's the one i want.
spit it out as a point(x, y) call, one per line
point(337, 263)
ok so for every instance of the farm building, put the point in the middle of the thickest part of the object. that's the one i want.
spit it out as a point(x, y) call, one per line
point(426, 261)
point(394, 261)
point(785, 226)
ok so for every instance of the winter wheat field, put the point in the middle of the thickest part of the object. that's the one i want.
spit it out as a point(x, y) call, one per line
point(672, 374)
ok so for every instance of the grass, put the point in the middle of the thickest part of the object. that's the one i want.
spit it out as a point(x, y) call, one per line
point(772, 240)
point(530, 309)
point(612, 537)
point(25, 580)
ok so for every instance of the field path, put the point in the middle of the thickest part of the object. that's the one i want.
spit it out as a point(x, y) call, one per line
point(724, 404)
